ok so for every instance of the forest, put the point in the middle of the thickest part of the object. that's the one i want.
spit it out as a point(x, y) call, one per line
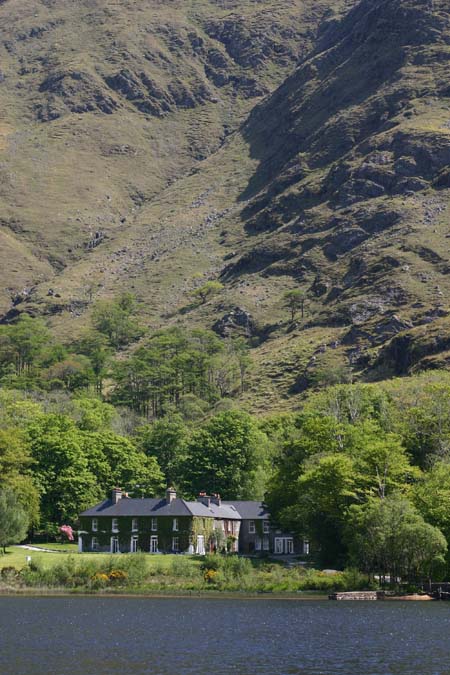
point(360, 470)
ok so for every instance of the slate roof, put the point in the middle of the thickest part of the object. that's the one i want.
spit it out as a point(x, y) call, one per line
point(250, 510)
point(226, 511)
point(160, 507)
point(139, 507)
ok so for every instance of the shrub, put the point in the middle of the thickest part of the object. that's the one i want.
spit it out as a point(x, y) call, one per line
point(210, 576)
point(9, 573)
point(118, 576)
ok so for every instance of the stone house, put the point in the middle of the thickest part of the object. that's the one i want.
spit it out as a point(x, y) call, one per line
point(174, 525)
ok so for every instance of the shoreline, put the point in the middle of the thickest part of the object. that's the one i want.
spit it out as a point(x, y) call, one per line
point(194, 595)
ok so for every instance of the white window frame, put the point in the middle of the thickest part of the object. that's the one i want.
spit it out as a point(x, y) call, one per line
point(134, 525)
point(266, 527)
point(175, 525)
point(114, 546)
point(278, 546)
point(251, 527)
point(154, 544)
point(134, 544)
point(94, 544)
point(94, 524)
point(258, 544)
point(290, 546)
point(266, 543)
point(306, 547)
point(115, 525)
point(154, 527)
point(176, 544)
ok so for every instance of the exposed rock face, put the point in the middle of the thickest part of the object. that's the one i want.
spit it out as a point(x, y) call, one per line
point(76, 91)
point(235, 322)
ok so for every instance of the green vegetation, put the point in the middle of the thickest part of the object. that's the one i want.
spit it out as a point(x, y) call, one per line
point(224, 156)
point(295, 301)
point(140, 573)
point(14, 520)
point(207, 291)
point(362, 471)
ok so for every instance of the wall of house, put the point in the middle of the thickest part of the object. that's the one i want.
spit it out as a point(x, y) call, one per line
point(253, 542)
point(188, 530)
point(144, 532)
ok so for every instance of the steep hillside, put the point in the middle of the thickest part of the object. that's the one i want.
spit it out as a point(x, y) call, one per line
point(104, 103)
point(337, 183)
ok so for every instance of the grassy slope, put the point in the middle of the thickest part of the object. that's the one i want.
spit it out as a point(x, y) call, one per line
point(79, 153)
point(310, 192)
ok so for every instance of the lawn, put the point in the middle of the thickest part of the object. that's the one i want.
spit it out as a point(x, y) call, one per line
point(17, 557)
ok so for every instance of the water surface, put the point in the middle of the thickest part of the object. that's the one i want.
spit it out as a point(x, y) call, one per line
point(167, 636)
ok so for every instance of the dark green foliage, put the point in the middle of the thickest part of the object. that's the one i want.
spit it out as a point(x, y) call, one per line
point(224, 456)
point(172, 365)
point(115, 319)
point(390, 538)
point(14, 520)
point(166, 440)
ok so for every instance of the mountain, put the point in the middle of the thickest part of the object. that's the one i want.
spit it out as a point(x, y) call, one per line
point(152, 146)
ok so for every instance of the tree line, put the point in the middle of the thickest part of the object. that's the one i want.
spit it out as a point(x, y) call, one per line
point(189, 370)
point(361, 471)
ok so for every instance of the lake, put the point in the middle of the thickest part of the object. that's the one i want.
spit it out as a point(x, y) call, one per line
point(169, 636)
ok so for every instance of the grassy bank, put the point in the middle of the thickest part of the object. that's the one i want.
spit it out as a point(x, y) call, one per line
point(167, 574)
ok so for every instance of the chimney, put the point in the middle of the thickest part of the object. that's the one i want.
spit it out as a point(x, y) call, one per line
point(171, 494)
point(216, 499)
point(204, 499)
point(116, 495)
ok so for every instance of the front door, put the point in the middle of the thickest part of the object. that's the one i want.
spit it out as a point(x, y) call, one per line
point(114, 545)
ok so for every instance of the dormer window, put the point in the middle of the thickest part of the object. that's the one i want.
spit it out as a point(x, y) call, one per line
point(94, 524)
point(115, 524)
point(134, 525)
point(175, 525)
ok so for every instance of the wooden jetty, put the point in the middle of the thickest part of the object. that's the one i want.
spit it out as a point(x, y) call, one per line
point(358, 595)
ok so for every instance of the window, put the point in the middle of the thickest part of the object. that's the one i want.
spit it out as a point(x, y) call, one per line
point(94, 524)
point(266, 545)
point(94, 544)
point(251, 526)
point(306, 547)
point(175, 525)
point(284, 545)
point(115, 524)
point(115, 545)
point(153, 544)
point(200, 548)
point(266, 527)
point(175, 544)
point(134, 544)
point(154, 525)
point(258, 543)
point(134, 525)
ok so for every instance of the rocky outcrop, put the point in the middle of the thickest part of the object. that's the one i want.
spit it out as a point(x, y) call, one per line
point(74, 91)
point(235, 322)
